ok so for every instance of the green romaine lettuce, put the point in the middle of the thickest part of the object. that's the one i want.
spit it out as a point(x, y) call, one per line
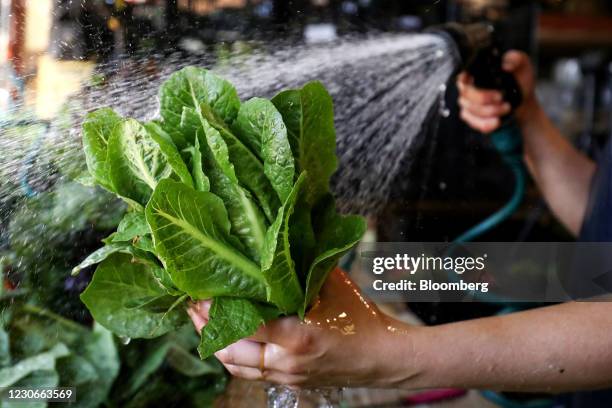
point(228, 201)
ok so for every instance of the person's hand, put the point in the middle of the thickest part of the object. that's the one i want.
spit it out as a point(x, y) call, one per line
point(344, 340)
point(483, 109)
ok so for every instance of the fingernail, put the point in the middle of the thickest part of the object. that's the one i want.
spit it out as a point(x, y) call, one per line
point(192, 307)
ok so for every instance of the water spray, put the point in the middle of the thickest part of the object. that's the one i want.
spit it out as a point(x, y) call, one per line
point(478, 53)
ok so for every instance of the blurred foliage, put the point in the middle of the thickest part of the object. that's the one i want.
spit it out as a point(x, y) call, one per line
point(46, 334)
point(35, 154)
point(18, 136)
point(49, 234)
point(41, 349)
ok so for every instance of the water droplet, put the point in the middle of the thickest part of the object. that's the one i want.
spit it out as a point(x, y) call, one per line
point(443, 109)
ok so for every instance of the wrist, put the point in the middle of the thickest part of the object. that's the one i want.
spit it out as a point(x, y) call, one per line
point(529, 112)
point(404, 362)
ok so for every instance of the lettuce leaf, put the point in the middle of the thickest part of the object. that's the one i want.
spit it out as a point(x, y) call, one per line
point(284, 289)
point(232, 319)
point(248, 223)
point(188, 88)
point(136, 162)
point(97, 129)
point(191, 233)
point(171, 153)
point(249, 169)
point(308, 114)
point(335, 236)
point(261, 127)
point(125, 297)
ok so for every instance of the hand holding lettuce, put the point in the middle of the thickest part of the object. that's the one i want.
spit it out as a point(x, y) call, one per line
point(228, 200)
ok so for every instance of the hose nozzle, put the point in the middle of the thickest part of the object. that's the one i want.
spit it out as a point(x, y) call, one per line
point(478, 53)
point(467, 39)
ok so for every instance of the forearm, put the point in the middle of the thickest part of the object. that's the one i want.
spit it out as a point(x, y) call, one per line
point(562, 173)
point(559, 348)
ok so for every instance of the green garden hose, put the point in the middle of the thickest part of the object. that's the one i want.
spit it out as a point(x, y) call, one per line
point(508, 142)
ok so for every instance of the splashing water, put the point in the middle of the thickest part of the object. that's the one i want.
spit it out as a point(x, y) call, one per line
point(279, 396)
point(384, 89)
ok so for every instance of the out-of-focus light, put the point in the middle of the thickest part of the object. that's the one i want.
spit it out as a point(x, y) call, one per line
point(349, 7)
point(409, 23)
point(114, 24)
point(5, 99)
point(264, 9)
point(192, 45)
point(568, 72)
point(319, 33)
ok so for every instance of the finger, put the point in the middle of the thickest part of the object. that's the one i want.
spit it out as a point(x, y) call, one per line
point(203, 308)
point(464, 79)
point(292, 380)
point(254, 374)
point(484, 125)
point(485, 111)
point(242, 353)
point(197, 320)
point(280, 331)
point(248, 373)
point(247, 353)
point(481, 96)
point(514, 60)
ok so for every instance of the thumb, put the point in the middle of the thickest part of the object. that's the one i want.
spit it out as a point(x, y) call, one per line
point(514, 60)
point(199, 313)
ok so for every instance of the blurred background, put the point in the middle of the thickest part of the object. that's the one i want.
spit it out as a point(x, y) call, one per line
point(49, 49)
point(53, 53)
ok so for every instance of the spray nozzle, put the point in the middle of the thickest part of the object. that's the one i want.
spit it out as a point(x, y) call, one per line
point(467, 39)
point(478, 52)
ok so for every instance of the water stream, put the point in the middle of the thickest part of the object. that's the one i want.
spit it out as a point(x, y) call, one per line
point(385, 90)
point(383, 87)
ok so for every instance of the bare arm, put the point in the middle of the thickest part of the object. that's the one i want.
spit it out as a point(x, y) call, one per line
point(562, 173)
point(554, 349)
point(347, 341)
